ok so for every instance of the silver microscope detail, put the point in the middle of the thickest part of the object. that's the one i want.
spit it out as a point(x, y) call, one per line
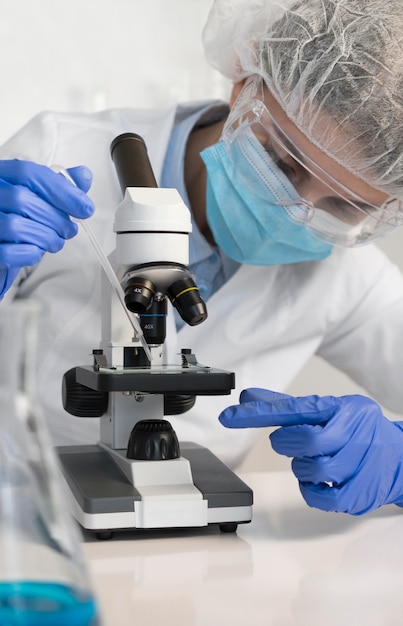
point(139, 476)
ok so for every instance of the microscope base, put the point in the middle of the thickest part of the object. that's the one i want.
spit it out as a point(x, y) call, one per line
point(104, 500)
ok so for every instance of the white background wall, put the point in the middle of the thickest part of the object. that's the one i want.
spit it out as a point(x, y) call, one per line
point(93, 54)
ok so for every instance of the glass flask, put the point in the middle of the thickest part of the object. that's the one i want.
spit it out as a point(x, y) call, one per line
point(43, 576)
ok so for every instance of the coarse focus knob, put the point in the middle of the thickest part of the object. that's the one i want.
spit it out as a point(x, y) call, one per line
point(153, 440)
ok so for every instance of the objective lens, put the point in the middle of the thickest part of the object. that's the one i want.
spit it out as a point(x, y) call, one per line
point(139, 294)
point(153, 322)
point(185, 297)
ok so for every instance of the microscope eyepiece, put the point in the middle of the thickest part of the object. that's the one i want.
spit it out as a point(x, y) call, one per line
point(133, 167)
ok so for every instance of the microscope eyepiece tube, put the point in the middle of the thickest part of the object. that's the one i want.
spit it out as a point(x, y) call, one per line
point(133, 167)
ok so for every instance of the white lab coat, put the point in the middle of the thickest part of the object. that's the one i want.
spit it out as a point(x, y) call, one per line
point(264, 323)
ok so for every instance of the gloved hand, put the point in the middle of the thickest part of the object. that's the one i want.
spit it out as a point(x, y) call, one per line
point(347, 456)
point(35, 205)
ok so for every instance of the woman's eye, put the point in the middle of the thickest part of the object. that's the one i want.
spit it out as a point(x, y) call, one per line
point(291, 169)
point(287, 169)
point(281, 164)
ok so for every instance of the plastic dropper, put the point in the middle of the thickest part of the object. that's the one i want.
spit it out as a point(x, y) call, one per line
point(103, 259)
point(108, 269)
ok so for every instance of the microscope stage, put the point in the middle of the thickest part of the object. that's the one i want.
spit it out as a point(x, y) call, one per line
point(164, 379)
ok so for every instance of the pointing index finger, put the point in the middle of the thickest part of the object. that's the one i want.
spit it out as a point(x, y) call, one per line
point(285, 411)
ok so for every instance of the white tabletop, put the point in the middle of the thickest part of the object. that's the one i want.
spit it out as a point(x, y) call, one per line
point(291, 565)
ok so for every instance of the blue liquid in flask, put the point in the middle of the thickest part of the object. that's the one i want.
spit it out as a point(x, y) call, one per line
point(31, 603)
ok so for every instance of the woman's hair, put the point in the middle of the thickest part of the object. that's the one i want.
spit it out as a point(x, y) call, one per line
point(334, 66)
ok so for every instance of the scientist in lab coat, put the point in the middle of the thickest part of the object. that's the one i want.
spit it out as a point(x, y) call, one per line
point(285, 186)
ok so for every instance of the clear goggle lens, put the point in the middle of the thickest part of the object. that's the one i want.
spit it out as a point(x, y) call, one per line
point(310, 195)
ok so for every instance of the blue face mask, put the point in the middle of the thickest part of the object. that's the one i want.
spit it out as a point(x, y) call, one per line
point(247, 220)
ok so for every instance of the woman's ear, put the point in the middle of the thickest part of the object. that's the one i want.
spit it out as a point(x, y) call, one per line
point(236, 88)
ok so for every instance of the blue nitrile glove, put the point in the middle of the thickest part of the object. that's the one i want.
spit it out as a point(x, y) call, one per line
point(347, 456)
point(35, 205)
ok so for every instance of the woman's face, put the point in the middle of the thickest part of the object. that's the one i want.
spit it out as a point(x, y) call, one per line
point(317, 188)
point(311, 187)
point(332, 202)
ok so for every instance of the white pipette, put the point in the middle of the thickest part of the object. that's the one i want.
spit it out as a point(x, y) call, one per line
point(108, 269)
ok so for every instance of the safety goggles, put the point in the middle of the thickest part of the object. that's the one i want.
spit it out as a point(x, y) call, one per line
point(321, 203)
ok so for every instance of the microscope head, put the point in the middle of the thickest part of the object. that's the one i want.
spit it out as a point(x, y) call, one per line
point(152, 228)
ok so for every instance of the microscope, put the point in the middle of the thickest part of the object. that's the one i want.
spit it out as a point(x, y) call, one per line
point(139, 476)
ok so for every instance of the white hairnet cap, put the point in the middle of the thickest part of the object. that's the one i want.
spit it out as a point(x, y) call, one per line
point(334, 66)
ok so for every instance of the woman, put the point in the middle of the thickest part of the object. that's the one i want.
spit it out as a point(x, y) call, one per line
point(304, 168)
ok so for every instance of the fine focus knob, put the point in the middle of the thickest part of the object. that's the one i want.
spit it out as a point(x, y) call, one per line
point(153, 440)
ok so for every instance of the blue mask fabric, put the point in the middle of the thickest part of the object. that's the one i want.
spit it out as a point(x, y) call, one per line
point(244, 210)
